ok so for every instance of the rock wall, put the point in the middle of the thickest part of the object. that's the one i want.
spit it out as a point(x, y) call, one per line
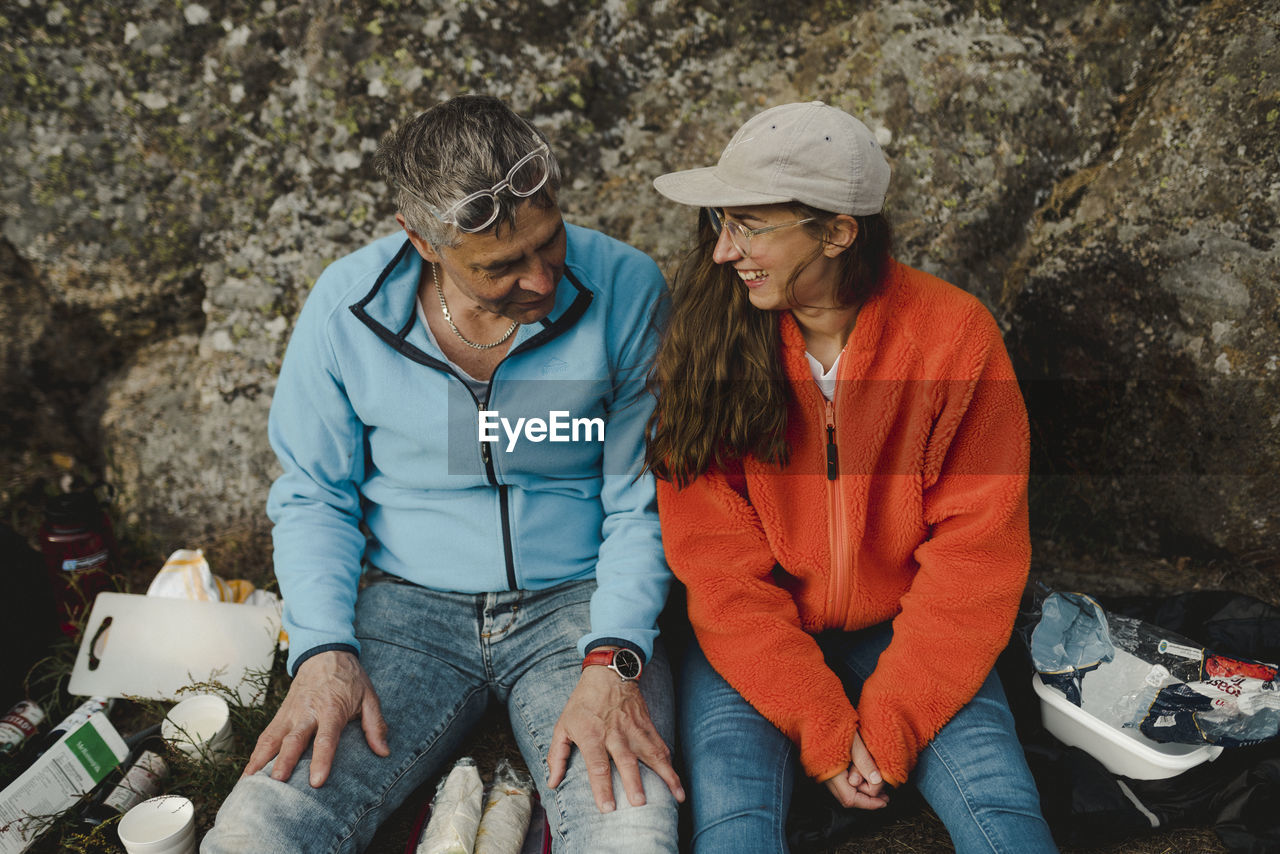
point(1102, 174)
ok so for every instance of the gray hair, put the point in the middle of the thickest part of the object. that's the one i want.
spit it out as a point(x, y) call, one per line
point(456, 148)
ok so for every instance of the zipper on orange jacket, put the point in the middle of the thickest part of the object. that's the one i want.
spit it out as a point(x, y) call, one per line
point(838, 589)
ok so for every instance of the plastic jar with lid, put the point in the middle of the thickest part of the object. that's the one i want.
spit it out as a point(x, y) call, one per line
point(79, 550)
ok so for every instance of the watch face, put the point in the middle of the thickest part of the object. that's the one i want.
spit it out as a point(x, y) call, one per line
point(627, 663)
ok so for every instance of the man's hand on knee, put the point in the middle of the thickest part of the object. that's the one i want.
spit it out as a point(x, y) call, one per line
point(329, 689)
point(609, 722)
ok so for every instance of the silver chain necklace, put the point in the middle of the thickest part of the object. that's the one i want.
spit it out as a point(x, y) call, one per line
point(448, 318)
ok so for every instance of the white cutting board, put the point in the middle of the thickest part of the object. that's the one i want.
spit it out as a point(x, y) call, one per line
point(155, 646)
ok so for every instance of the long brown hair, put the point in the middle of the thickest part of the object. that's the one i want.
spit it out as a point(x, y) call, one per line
point(718, 378)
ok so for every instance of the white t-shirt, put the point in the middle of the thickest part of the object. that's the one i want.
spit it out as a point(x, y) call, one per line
point(480, 388)
point(826, 380)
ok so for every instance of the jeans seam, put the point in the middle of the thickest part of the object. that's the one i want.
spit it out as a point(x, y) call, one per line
point(415, 758)
point(964, 793)
point(436, 659)
point(773, 802)
point(781, 809)
point(562, 817)
point(505, 688)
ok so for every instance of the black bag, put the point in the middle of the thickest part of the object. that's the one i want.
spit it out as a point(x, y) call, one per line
point(27, 622)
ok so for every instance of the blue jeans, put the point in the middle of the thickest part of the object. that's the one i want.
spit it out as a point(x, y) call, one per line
point(741, 768)
point(437, 660)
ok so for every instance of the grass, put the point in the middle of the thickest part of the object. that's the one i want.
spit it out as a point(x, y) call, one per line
point(244, 553)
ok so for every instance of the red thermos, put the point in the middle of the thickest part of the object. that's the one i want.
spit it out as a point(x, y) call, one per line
point(79, 552)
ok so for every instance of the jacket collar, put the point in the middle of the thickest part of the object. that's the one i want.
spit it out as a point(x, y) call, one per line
point(390, 308)
point(858, 350)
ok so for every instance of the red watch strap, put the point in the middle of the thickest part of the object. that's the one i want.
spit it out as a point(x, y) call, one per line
point(598, 656)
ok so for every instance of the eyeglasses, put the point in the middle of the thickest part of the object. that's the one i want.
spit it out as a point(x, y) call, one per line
point(739, 235)
point(477, 211)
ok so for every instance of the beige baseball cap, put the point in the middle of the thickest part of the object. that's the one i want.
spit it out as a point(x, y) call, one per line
point(811, 153)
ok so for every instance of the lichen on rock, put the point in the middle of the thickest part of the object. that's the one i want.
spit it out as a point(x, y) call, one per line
point(1101, 174)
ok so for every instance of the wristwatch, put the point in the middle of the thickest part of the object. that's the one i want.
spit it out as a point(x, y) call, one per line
point(623, 662)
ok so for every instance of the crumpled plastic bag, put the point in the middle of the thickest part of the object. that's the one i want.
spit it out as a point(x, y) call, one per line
point(186, 575)
point(1071, 639)
point(1232, 709)
point(1185, 694)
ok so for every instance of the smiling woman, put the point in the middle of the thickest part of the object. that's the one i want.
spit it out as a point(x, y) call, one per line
point(723, 391)
point(842, 452)
point(800, 271)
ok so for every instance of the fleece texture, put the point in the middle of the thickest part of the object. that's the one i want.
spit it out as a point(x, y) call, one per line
point(924, 524)
point(383, 463)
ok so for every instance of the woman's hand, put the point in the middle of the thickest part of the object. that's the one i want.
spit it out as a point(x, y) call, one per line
point(861, 786)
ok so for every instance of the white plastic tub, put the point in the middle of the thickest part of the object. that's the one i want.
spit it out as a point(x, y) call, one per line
point(1093, 727)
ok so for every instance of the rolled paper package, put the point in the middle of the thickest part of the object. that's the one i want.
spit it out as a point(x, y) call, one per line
point(455, 812)
point(507, 810)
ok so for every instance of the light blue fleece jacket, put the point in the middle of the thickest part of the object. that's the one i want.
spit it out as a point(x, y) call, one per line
point(377, 434)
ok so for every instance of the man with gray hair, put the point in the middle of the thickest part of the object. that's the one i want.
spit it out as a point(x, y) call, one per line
point(462, 515)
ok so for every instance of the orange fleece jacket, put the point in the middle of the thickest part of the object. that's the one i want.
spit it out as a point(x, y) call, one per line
point(925, 524)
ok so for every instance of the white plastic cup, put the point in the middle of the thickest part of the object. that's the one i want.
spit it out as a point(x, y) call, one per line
point(199, 726)
point(163, 825)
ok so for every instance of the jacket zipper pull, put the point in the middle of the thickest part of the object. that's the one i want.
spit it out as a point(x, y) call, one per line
point(833, 465)
point(484, 446)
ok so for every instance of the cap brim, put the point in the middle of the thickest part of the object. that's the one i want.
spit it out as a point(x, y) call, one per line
point(702, 188)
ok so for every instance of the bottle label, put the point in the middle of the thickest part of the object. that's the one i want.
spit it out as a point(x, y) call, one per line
point(1222, 666)
point(88, 745)
point(1191, 653)
point(11, 736)
point(23, 725)
point(141, 781)
point(82, 713)
point(19, 724)
point(75, 564)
